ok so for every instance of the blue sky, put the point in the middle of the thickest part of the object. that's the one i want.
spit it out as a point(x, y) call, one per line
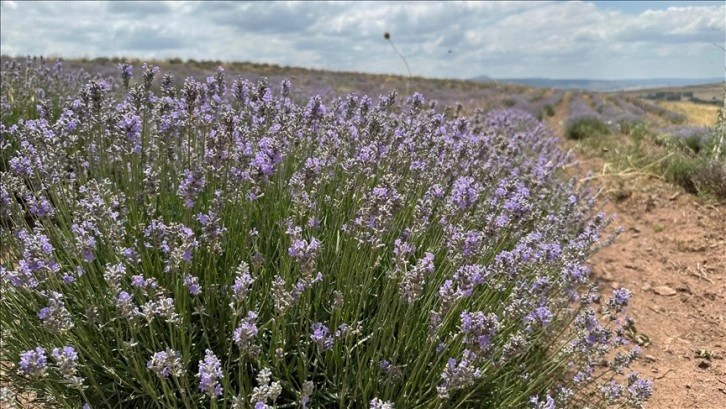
point(549, 39)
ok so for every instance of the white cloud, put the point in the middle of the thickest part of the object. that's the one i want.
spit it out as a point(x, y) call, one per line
point(500, 39)
point(12, 5)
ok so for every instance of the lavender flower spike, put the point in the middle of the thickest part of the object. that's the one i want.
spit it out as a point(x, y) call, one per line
point(34, 362)
point(166, 363)
point(210, 372)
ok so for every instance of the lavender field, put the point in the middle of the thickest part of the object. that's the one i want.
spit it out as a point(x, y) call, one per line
point(240, 241)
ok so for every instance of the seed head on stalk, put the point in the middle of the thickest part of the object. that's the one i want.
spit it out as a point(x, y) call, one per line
point(387, 36)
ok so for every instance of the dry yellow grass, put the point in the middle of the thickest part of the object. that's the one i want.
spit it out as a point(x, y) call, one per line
point(698, 114)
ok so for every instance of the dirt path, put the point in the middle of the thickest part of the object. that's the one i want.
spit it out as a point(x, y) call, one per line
point(672, 256)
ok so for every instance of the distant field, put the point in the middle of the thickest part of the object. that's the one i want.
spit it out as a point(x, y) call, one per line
point(712, 93)
point(698, 114)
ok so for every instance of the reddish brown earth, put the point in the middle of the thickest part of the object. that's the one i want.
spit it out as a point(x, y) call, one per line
point(672, 256)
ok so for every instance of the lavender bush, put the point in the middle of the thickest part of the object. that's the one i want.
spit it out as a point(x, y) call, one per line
point(536, 105)
point(579, 108)
point(616, 117)
point(695, 165)
point(222, 246)
point(549, 104)
point(692, 138)
point(582, 121)
point(622, 102)
point(36, 87)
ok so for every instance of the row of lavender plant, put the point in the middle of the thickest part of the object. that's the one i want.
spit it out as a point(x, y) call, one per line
point(690, 136)
point(536, 105)
point(619, 119)
point(308, 83)
point(659, 111)
point(547, 106)
point(555, 98)
point(582, 120)
point(225, 247)
point(691, 153)
point(628, 107)
point(36, 86)
point(579, 108)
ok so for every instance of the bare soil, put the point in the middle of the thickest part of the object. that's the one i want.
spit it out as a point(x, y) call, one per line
point(672, 256)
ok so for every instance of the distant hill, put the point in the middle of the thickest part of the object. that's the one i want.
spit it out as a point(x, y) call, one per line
point(602, 85)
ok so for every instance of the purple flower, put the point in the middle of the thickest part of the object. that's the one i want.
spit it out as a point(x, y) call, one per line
point(166, 363)
point(113, 275)
point(579, 109)
point(130, 125)
point(548, 403)
point(393, 372)
point(191, 186)
point(402, 248)
point(165, 308)
point(67, 358)
point(321, 336)
point(33, 362)
point(247, 330)
point(138, 281)
point(127, 71)
point(210, 372)
point(482, 193)
point(305, 252)
point(192, 283)
point(479, 330)
point(307, 391)
point(639, 389)
point(465, 192)
point(55, 316)
point(414, 279)
point(68, 279)
point(125, 305)
point(542, 315)
point(37, 262)
point(617, 303)
point(459, 376)
point(611, 391)
point(242, 282)
point(22, 166)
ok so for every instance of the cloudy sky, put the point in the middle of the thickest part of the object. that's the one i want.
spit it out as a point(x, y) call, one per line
point(590, 39)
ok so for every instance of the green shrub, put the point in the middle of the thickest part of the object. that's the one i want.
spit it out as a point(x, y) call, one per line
point(693, 143)
point(628, 125)
point(638, 133)
point(710, 178)
point(681, 170)
point(549, 110)
point(509, 102)
point(697, 175)
point(582, 128)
